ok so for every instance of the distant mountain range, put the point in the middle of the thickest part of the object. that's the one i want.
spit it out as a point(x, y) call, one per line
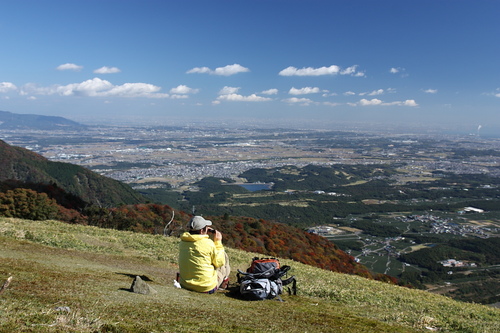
point(9, 120)
point(23, 165)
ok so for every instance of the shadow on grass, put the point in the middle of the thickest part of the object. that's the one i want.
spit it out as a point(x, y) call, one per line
point(143, 277)
point(132, 276)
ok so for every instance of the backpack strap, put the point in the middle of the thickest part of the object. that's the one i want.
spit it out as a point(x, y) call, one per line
point(294, 285)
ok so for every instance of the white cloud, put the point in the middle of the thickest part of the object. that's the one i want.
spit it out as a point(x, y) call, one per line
point(176, 96)
point(430, 91)
point(224, 71)
point(349, 70)
point(97, 87)
point(375, 101)
point(92, 88)
point(199, 70)
point(107, 70)
point(7, 86)
point(230, 70)
point(396, 70)
point(295, 100)
point(183, 89)
point(376, 92)
point(135, 90)
point(410, 102)
point(229, 90)
point(310, 71)
point(241, 98)
point(270, 92)
point(496, 93)
point(331, 104)
point(349, 93)
point(69, 67)
point(304, 91)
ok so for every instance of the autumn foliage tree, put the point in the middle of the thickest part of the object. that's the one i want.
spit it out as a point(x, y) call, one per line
point(27, 204)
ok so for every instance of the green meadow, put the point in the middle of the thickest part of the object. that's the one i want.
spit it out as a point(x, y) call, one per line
point(74, 278)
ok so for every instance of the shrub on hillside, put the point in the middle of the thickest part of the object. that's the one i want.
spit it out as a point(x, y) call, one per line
point(27, 204)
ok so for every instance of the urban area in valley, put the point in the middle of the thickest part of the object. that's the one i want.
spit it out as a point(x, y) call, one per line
point(177, 158)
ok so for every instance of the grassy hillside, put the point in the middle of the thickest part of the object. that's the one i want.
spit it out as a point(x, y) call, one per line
point(58, 267)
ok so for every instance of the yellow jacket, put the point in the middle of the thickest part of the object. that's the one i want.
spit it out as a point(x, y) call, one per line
point(199, 257)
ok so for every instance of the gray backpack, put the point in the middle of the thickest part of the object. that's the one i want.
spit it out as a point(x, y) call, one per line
point(262, 280)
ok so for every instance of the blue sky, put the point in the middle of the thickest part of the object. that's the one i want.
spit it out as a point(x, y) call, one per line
point(426, 61)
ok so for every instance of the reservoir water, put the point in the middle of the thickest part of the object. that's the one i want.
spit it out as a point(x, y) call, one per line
point(256, 186)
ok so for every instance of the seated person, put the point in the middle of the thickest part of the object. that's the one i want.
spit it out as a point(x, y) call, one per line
point(203, 263)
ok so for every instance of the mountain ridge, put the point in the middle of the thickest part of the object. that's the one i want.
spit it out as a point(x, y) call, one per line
point(9, 120)
point(23, 165)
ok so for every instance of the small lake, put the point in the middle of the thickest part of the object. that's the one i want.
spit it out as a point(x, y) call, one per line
point(256, 186)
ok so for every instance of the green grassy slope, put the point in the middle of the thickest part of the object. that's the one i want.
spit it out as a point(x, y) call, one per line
point(89, 270)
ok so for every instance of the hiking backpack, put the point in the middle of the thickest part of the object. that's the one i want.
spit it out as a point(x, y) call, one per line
point(262, 280)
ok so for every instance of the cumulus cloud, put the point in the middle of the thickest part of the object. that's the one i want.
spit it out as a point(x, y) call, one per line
point(224, 71)
point(69, 67)
point(183, 90)
point(430, 91)
point(241, 98)
point(349, 93)
point(270, 92)
point(295, 100)
point(231, 94)
point(394, 70)
point(97, 87)
point(199, 70)
point(497, 94)
point(349, 70)
point(6, 87)
point(135, 90)
point(410, 102)
point(107, 70)
point(304, 91)
point(93, 87)
point(229, 90)
point(376, 92)
point(310, 71)
point(376, 101)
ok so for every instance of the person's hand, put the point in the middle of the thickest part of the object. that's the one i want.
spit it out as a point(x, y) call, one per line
point(218, 236)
